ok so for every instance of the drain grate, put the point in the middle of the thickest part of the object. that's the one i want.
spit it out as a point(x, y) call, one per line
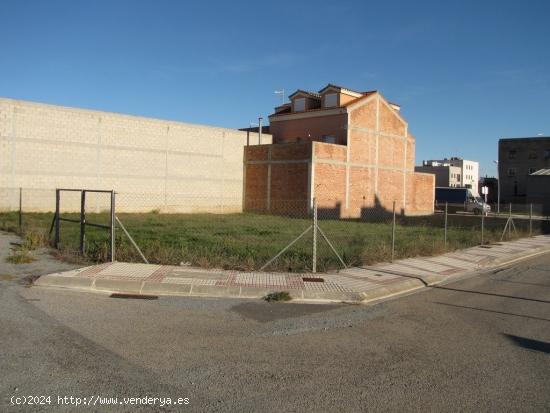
point(313, 280)
point(134, 296)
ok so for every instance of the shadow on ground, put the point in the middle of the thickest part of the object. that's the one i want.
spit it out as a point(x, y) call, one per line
point(529, 343)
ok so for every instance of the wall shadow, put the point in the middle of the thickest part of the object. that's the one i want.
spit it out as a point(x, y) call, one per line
point(536, 300)
point(529, 343)
point(493, 311)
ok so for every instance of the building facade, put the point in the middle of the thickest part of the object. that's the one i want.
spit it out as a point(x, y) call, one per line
point(351, 151)
point(468, 175)
point(446, 175)
point(538, 190)
point(517, 159)
point(153, 164)
point(492, 186)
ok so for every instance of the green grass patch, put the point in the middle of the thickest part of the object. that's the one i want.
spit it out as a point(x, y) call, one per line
point(246, 241)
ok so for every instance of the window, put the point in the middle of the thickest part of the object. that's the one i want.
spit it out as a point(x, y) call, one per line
point(512, 154)
point(331, 99)
point(546, 154)
point(532, 155)
point(511, 171)
point(299, 105)
point(329, 139)
point(458, 177)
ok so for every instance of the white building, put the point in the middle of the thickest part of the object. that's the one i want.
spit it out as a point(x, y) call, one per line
point(469, 171)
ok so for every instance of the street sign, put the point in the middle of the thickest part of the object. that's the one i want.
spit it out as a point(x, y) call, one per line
point(485, 190)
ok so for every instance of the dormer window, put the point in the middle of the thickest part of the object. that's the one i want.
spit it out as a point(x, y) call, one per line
point(299, 104)
point(331, 100)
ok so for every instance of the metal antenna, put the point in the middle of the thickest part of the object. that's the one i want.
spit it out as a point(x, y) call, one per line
point(282, 93)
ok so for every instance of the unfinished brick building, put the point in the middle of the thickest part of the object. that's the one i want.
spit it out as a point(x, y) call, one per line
point(351, 151)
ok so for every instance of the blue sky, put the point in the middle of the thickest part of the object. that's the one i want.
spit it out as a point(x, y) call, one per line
point(465, 73)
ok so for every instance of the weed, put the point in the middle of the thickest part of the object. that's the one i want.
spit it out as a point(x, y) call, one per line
point(34, 239)
point(20, 256)
point(278, 296)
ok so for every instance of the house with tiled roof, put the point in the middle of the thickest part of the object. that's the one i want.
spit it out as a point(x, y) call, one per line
point(351, 151)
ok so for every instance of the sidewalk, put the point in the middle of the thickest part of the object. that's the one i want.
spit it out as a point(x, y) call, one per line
point(359, 284)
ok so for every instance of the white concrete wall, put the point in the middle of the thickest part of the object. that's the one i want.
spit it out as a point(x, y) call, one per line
point(153, 164)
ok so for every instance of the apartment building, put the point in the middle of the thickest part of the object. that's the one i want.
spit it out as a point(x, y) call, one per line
point(468, 177)
point(352, 151)
point(518, 158)
point(446, 175)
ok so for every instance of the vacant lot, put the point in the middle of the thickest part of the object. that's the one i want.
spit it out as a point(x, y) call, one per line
point(246, 241)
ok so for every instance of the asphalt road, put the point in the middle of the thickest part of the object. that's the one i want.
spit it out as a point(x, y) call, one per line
point(481, 344)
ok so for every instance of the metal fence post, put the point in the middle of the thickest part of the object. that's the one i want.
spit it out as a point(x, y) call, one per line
point(446, 217)
point(56, 236)
point(82, 221)
point(112, 226)
point(482, 225)
point(393, 235)
point(530, 220)
point(314, 246)
point(20, 209)
point(510, 218)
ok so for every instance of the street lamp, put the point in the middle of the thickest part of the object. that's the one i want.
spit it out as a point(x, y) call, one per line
point(498, 187)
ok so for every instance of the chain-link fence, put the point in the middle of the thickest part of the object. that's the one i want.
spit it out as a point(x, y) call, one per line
point(297, 235)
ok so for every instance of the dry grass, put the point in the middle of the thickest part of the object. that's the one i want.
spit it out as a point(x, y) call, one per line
point(247, 241)
point(20, 256)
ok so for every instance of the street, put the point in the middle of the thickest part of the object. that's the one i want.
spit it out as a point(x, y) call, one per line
point(479, 344)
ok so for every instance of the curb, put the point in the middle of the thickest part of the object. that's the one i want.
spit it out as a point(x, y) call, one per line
point(404, 286)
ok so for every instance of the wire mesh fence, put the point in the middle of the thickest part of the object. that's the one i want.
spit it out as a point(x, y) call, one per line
point(288, 235)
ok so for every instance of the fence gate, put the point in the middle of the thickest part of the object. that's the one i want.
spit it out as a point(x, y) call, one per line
point(82, 221)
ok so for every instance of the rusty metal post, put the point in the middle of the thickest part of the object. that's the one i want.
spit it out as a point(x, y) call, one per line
point(56, 236)
point(113, 257)
point(82, 221)
point(393, 235)
point(20, 210)
point(314, 246)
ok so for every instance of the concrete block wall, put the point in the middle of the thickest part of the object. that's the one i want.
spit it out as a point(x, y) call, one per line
point(153, 164)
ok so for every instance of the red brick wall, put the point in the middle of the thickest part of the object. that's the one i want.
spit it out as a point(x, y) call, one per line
point(277, 178)
point(291, 151)
point(411, 152)
point(390, 122)
point(362, 147)
point(420, 193)
point(378, 173)
point(391, 152)
point(329, 185)
point(361, 190)
point(365, 116)
point(329, 151)
point(309, 129)
point(255, 188)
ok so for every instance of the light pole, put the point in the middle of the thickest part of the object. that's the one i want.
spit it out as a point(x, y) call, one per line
point(498, 187)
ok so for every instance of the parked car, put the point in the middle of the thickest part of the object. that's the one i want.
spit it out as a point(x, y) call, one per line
point(460, 199)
